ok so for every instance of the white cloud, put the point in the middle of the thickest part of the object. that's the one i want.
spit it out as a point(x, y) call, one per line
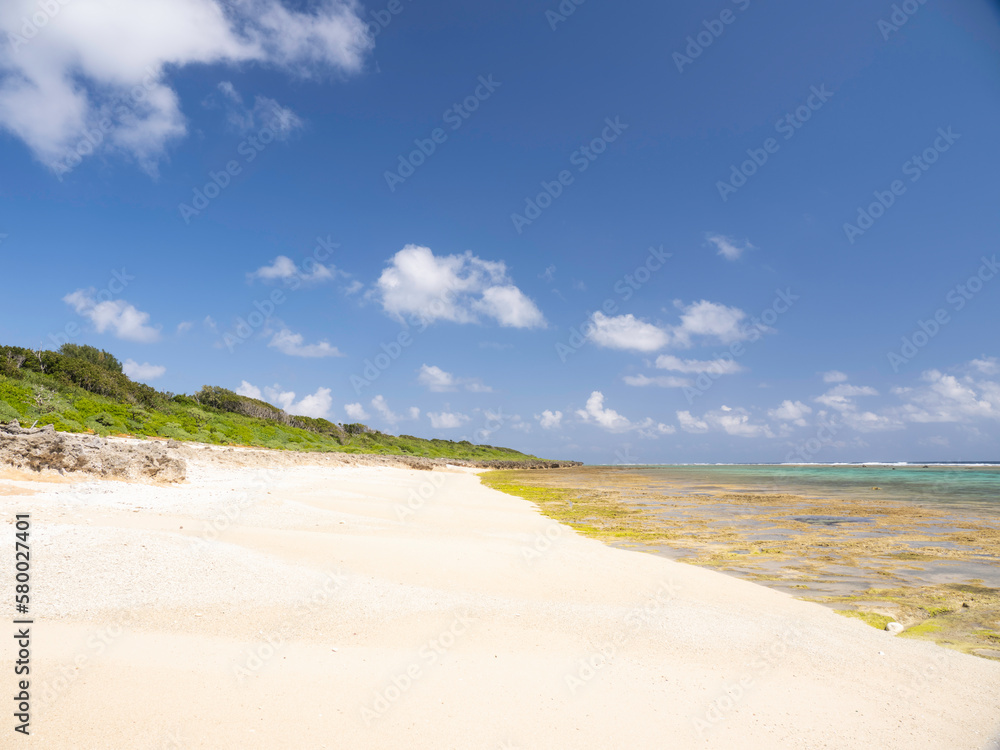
point(380, 405)
point(595, 413)
point(713, 321)
point(650, 429)
point(284, 269)
point(124, 319)
point(728, 248)
point(265, 113)
point(316, 405)
point(439, 381)
point(714, 366)
point(509, 306)
point(834, 376)
point(292, 344)
point(791, 411)
point(663, 381)
point(986, 365)
point(355, 411)
point(691, 423)
point(145, 371)
point(626, 332)
point(550, 420)
point(447, 420)
point(109, 60)
point(946, 398)
point(249, 390)
point(841, 397)
point(458, 288)
point(184, 326)
point(732, 421)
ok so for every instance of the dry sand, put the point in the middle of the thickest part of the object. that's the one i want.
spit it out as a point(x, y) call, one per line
point(374, 607)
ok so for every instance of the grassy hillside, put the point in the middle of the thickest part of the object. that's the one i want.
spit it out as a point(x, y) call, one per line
point(83, 389)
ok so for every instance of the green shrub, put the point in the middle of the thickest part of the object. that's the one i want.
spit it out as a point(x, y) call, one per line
point(18, 397)
point(91, 354)
point(8, 413)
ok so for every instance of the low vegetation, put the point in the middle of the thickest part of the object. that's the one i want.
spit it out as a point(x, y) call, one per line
point(83, 389)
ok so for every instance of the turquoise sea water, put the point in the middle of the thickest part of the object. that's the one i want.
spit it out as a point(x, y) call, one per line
point(972, 487)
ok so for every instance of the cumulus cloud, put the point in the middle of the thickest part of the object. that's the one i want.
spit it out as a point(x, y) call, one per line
point(948, 398)
point(447, 420)
point(439, 381)
point(710, 320)
point(626, 332)
point(355, 411)
point(727, 247)
point(458, 288)
point(791, 411)
point(122, 318)
point(595, 413)
point(834, 376)
point(381, 406)
point(732, 421)
point(843, 399)
point(145, 371)
point(249, 390)
point(714, 366)
point(284, 269)
point(293, 345)
point(107, 61)
point(550, 420)
point(316, 405)
point(663, 381)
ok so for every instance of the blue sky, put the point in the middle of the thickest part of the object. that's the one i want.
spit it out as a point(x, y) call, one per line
point(730, 231)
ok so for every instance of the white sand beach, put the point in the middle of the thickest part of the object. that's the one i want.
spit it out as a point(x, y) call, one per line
point(373, 607)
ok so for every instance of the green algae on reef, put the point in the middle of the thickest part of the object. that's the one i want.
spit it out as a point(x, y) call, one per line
point(874, 560)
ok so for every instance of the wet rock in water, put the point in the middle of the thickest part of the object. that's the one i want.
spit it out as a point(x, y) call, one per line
point(894, 627)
